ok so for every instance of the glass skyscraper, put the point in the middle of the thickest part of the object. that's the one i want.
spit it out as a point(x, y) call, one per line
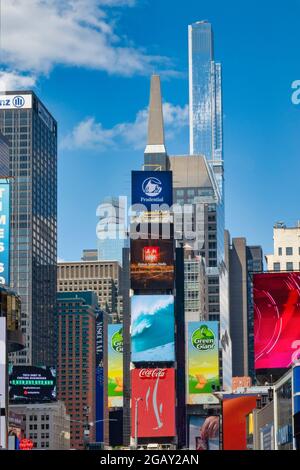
point(32, 135)
point(205, 97)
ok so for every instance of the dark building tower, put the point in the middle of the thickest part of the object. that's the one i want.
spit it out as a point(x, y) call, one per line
point(32, 136)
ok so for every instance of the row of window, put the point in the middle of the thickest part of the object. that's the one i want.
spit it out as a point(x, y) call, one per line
point(289, 266)
point(289, 251)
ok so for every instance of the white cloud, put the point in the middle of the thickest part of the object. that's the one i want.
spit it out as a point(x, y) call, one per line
point(15, 81)
point(37, 35)
point(89, 134)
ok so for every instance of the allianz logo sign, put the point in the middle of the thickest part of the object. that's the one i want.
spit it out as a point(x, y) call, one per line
point(152, 187)
point(15, 102)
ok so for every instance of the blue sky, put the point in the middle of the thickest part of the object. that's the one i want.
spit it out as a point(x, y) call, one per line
point(90, 61)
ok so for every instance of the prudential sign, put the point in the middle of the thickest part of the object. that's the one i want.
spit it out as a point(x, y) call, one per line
point(4, 233)
point(152, 188)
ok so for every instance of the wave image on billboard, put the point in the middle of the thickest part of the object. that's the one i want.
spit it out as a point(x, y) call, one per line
point(153, 394)
point(152, 328)
point(276, 319)
point(203, 360)
point(152, 264)
point(115, 365)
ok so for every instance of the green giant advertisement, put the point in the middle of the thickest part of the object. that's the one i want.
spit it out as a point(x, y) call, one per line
point(115, 365)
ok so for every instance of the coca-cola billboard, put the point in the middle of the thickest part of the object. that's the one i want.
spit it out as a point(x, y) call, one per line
point(153, 390)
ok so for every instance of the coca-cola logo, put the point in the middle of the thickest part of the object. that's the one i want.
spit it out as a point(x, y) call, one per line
point(152, 373)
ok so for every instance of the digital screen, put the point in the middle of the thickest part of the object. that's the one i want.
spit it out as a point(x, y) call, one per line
point(203, 360)
point(115, 365)
point(153, 395)
point(276, 319)
point(32, 384)
point(5, 233)
point(152, 328)
point(152, 189)
point(204, 432)
point(152, 264)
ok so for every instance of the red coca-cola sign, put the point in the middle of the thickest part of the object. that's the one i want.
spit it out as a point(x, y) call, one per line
point(152, 373)
point(153, 395)
point(26, 444)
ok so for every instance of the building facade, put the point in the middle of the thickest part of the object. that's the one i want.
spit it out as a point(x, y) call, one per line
point(286, 256)
point(102, 277)
point(31, 132)
point(243, 261)
point(76, 361)
point(47, 425)
point(4, 157)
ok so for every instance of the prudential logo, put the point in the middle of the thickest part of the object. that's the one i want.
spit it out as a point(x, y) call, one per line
point(18, 101)
point(152, 187)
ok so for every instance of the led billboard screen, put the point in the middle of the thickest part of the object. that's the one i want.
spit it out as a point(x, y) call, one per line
point(236, 408)
point(4, 233)
point(152, 328)
point(152, 264)
point(153, 394)
point(30, 384)
point(203, 360)
point(276, 319)
point(204, 432)
point(115, 365)
point(152, 188)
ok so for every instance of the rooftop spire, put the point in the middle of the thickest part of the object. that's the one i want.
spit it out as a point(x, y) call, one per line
point(156, 137)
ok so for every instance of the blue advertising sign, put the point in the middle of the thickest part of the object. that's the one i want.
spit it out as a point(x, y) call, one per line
point(4, 233)
point(152, 188)
point(99, 377)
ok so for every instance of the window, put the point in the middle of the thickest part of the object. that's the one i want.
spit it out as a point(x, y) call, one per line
point(279, 251)
point(289, 251)
point(289, 266)
point(276, 266)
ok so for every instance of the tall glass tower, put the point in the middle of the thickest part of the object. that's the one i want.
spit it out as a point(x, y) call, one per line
point(205, 97)
point(32, 136)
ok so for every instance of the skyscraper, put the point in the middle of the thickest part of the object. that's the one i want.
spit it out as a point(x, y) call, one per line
point(205, 96)
point(31, 132)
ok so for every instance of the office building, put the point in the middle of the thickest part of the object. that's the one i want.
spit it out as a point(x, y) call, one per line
point(31, 132)
point(76, 361)
point(47, 425)
point(4, 157)
point(90, 255)
point(286, 256)
point(243, 262)
point(205, 98)
point(101, 277)
point(111, 229)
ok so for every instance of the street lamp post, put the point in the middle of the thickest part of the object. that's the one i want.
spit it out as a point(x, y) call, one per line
point(136, 422)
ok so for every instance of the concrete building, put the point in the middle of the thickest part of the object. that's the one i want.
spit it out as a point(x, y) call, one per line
point(243, 261)
point(32, 135)
point(47, 424)
point(286, 256)
point(101, 277)
point(76, 360)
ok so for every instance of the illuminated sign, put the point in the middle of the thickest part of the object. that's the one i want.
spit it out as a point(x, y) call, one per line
point(15, 101)
point(4, 233)
point(153, 396)
point(152, 189)
point(26, 444)
point(115, 365)
point(32, 384)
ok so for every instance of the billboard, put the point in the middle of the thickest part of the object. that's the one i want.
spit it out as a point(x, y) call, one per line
point(3, 388)
point(235, 412)
point(99, 377)
point(204, 432)
point(203, 360)
point(152, 328)
point(152, 264)
point(152, 188)
point(276, 319)
point(153, 396)
point(115, 365)
point(30, 384)
point(4, 233)
point(15, 101)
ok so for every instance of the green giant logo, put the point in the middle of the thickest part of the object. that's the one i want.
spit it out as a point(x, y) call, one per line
point(117, 341)
point(203, 338)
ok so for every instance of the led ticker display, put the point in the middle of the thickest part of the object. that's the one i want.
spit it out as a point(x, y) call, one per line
point(152, 328)
point(32, 384)
point(152, 264)
point(276, 319)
